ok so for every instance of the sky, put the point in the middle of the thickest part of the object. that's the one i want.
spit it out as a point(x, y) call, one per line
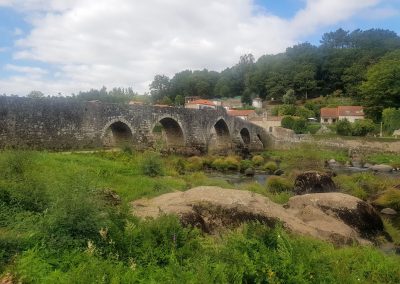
point(66, 46)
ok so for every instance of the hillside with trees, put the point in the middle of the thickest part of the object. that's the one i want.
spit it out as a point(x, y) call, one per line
point(362, 65)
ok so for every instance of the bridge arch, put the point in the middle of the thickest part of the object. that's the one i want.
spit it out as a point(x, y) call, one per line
point(260, 140)
point(245, 135)
point(118, 132)
point(220, 137)
point(170, 131)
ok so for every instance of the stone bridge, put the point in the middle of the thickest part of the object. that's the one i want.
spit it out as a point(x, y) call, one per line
point(62, 124)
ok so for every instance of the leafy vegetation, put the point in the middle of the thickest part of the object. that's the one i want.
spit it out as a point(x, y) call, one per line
point(61, 222)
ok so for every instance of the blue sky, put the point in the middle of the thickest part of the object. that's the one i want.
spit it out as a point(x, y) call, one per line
point(64, 46)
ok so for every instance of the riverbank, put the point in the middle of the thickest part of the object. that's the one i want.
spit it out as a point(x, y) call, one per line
point(65, 218)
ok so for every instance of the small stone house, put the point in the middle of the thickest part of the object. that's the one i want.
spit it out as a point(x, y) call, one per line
point(351, 113)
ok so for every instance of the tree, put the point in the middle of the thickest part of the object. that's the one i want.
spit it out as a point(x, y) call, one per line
point(362, 127)
point(382, 87)
point(289, 98)
point(179, 100)
point(35, 94)
point(246, 97)
point(391, 119)
point(160, 87)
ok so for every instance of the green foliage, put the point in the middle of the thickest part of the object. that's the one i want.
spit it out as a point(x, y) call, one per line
point(287, 122)
point(226, 164)
point(152, 165)
point(278, 184)
point(287, 110)
point(382, 87)
point(343, 127)
point(257, 160)
point(79, 237)
point(313, 127)
point(304, 112)
point(391, 119)
point(270, 167)
point(300, 125)
point(245, 164)
point(195, 163)
point(390, 198)
point(289, 98)
point(362, 127)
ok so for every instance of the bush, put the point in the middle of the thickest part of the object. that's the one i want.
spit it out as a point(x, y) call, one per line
point(257, 160)
point(278, 184)
point(343, 127)
point(313, 128)
point(194, 163)
point(300, 125)
point(245, 164)
point(232, 163)
point(304, 113)
point(152, 165)
point(287, 122)
point(287, 110)
point(362, 127)
point(390, 198)
point(270, 167)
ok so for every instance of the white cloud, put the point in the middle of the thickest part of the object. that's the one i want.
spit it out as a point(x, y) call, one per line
point(33, 72)
point(125, 42)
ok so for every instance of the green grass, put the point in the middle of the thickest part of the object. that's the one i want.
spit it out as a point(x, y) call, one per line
point(56, 227)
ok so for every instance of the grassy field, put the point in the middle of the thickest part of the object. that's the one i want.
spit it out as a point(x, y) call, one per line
point(58, 224)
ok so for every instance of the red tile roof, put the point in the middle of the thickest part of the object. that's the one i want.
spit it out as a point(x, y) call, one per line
point(201, 102)
point(241, 112)
point(350, 111)
point(342, 111)
point(329, 112)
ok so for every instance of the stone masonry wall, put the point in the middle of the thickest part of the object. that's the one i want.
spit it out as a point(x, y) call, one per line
point(63, 123)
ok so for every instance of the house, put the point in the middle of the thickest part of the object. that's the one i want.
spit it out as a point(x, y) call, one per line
point(257, 103)
point(232, 103)
point(244, 114)
point(268, 122)
point(201, 104)
point(351, 113)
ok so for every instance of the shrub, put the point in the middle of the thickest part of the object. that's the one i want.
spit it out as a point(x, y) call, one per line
point(287, 110)
point(287, 122)
point(257, 160)
point(343, 127)
point(270, 167)
point(219, 164)
point(390, 198)
point(245, 164)
point(278, 184)
point(194, 163)
point(152, 165)
point(232, 163)
point(300, 125)
point(362, 127)
point(304, 113)
point(313, 127)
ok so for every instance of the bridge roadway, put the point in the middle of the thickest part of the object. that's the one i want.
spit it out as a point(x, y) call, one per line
point(64, 124)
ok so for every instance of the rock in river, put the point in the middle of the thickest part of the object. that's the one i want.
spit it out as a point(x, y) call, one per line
point(313, 182)
point(336, 217)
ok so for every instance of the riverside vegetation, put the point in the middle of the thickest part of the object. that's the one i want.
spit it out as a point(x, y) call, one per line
point(65, 218)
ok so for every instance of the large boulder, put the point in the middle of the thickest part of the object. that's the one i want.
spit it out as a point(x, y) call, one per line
point(314, 182)
point(351, 210)
point(336, 217)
